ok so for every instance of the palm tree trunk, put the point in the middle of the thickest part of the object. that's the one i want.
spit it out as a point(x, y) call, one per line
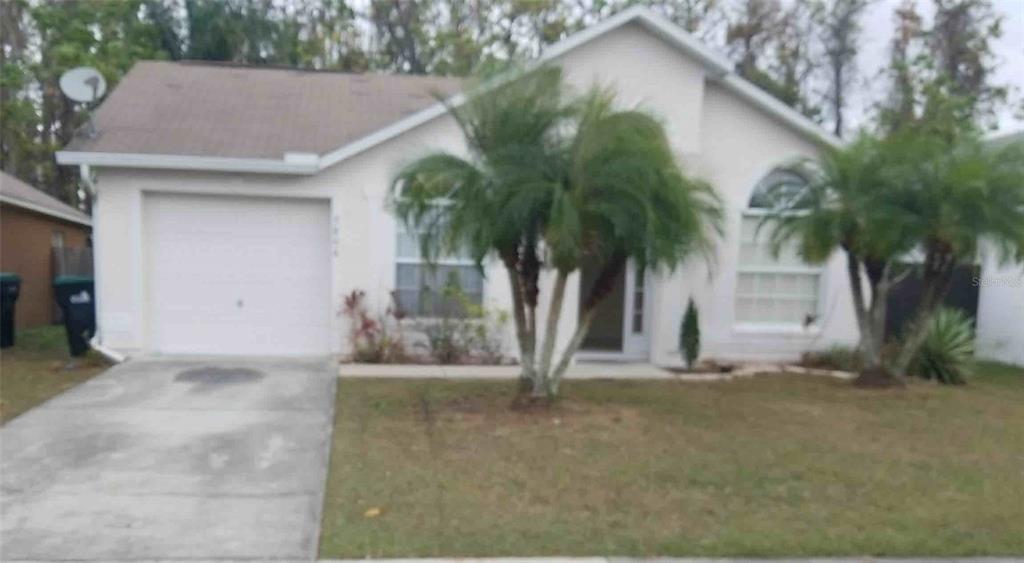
point(604, 284)
point(555, 378)
point(551, 332)
point(938, 275)
point(526, 376)
point(870, 352)
point(879, 310)
point(916, 336)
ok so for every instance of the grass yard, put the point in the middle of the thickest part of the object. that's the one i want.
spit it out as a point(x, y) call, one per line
point(771, 466)
point(33, 370)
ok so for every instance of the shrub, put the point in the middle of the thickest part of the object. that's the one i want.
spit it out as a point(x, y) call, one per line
point(373, 340)
point(448, 339)
point(466, 332)
point(948, 350)
point(689, 335)
point(837, 357)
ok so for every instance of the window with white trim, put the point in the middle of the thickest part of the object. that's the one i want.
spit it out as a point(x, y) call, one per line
point(770, 289)
point(421, 288)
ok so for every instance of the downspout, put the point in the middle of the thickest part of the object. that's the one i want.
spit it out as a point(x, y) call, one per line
point(96, 341)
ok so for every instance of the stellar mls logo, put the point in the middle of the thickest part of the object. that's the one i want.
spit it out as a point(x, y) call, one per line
point(998, 281)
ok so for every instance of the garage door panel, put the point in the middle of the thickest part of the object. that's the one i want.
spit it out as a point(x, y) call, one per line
point(249, 256)
point(232, 275)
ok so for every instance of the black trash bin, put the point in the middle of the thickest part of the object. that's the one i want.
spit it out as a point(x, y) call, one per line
point(75, 296)
point(10, 286)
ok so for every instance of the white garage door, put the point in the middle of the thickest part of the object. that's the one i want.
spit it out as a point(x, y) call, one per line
point(236, 275)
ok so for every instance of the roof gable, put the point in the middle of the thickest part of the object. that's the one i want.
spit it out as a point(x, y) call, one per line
point(210, 132)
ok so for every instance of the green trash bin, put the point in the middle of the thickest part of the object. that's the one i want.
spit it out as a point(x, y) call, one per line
point(76, 297)
point(10, 287)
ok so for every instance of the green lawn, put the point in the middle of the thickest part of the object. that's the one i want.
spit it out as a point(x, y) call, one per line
point(35, 369)
point(772, 466)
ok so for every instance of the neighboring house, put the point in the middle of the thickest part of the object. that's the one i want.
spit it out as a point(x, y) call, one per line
point(1001, 299)
point(36, 232)
point(237, 206)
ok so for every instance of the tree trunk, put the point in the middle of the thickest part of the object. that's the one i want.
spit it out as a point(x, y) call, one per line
point(868, 349)
point(938, 276)
point(555, 379)
point(604, 284)
point(551, 333)
point(838, 103)
point(526, 376)
point(880, 309)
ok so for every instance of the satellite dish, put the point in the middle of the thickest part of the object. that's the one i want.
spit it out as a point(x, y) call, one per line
point(83, 84)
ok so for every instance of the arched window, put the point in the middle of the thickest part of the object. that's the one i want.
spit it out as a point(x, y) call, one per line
point(779, 182)
point(778, 290)
point(420, 287)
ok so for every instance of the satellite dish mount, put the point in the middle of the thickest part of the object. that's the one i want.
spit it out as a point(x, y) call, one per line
point(84, 85)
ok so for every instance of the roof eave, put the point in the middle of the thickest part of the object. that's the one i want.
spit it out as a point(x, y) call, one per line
point(187, 162)
point(799, 122)
point(43, 210)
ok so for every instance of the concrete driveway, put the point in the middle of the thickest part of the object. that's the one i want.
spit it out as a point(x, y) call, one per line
point(172, 459)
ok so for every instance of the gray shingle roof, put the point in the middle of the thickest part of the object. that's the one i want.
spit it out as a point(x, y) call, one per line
point(15, 192)
point(216, 110)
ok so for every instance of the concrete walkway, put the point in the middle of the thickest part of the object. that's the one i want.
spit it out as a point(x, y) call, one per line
point(579, 370)
point(172, 459)
point(691, 560)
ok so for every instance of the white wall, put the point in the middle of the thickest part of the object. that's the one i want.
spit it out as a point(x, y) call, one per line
point(733, 145)
point(739, 145)
point(363, 240)
point(717, 135)
point(1000, 331)
point(646, 73)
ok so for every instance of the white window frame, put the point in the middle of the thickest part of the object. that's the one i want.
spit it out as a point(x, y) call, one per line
point(769, 326)
point(402, 229)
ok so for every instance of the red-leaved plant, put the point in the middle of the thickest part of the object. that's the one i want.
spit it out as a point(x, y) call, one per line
point(373, 340)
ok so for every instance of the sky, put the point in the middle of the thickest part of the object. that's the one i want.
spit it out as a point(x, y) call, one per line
point(878, 26)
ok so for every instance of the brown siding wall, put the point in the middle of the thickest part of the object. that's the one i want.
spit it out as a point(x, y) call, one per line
point(25, 239)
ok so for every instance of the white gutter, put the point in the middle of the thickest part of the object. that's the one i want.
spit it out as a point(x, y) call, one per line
point(114, 357)
point(292, 163)
point(95, 342)
point(86, 175)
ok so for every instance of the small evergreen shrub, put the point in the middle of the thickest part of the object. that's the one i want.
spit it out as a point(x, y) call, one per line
point(689, 335)
point(948, 352)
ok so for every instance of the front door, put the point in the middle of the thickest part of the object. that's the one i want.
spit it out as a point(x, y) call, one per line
point(619, 329)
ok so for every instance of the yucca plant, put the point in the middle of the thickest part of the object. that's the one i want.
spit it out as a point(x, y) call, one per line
point(947, 352)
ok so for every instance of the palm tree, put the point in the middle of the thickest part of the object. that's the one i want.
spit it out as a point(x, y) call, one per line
point(879, 200)
point(624, 198)
point(961, 200)
point(554, 183)
point(496, 200)
point(850, 203)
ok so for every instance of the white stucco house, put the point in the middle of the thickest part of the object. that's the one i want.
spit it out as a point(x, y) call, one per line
point(235, 207)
